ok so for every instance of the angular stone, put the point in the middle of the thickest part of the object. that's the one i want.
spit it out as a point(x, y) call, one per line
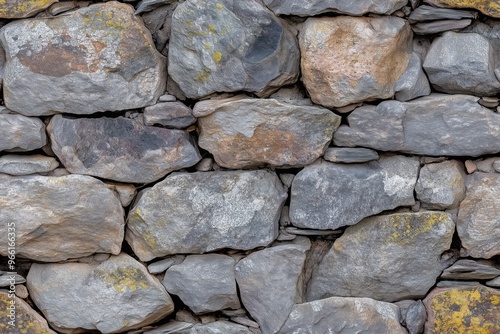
point(171, 114)
point(328, 196)
point(344, 315)
point(229, 46)
point(478, 223)
point(97, 58)
point(465, 269)
point(270, 282)
point(315, 7)
point(18, 9)
point(26, 164)
point(204, 211)
point(243, 133)
point(396, 257)
point(19, 133)
point(205, 283)
point(120, 149)
point(413, 82)
point(415, 318)
point(429, 13)
point(468, 309)
point(57, 218)
point(159, 267)
point(434, 27)
point(490, 8)
point(115, 296)
point(441, 185)
point(435, 125)
point(126, 192)
point(468, 67)
point(350, 155)
point(494, 282)
point(346, 60)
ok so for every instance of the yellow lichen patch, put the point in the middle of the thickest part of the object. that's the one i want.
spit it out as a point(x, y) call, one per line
point(149, 238)
point(211, 28)
point(123, 278)
point(406, 227)
point(217, 57)
point(203, 76)
point(219, 6)
point(25, 322)
point(19, 9)
point(207, 46)
point(491, 8)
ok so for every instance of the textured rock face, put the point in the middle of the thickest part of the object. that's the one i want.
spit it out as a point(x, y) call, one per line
point(218, 327)
point(18, 9)
point(19, 133)
point(120, 149)
point(328, 196)
point(339, 315)
point(243, 133)
point(465, 269)
point(228, 46)
point(170, 114)
point(350, 155)
point(201, 212)
point(346, 60)
point(478, 223)
point(490, 8)
point(26, 164)
point(397, 257)
point(114, 296)
point(413, 82)
point(95, 59)
point(57, 218)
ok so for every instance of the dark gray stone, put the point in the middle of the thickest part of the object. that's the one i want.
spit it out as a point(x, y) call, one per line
point(149, 5)
point(170, 114)
point(349, 155)
point(465, 269)
point(416, 315)
point(20, 133)
point(413, 82)
point(429, 13)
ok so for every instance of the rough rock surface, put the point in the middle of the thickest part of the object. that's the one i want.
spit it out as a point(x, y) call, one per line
point(388, 258)
point(205, 283)
point(415, 317)
point(228, 46)
point(350, 155)
point(272, 277)
point(243, 133)
point(205, 211)
point(346, 60)
point(117, 295)
point(18, 9)
point(465, 269)
point(26, 164)
point(171, 114)
point(344, 315)
point(57, 218)
point(429, 13)
point(217, 327)
point(94, 59)
point(315, 7)
point(327, 196)
point(490, 8)
point(434, 27)
point(413, 82)
point(19, 133)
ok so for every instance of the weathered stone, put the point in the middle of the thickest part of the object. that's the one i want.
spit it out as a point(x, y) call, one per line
point(114, 296)
point(57, 218)
point(204, 211)
point(94, 59)
point(413, 82)
point(415, 318)
point(465, 269)
point(159, 22)
point(18, 9)
point(270, 282)
point(218, 327)
point(205, 283)
point(397, 257)
point(468, 67)
point(119, 148)
point(463, 310)
point(292, 95)
point(489, 101)
point(26, 164)
point(350, 155)
point(21, 291)
point(453, 284)
point(170, 114)
point(339, 315)
point(228, 46)
point(327, 196)
point(494, 282)
point(478, 217)
point(486, 165)
point(149, 5)
point(243, 133)
point(490, 8)
point(161, 266)
point(126, 192)
point(351, 59)
point(434, 27)
point(429, 13)
point(169, 327)
point(19, 133)
point(7, 279)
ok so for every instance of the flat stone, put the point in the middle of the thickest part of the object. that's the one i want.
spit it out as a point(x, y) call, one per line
point(170, 114)
point(243, 133)
point(452, 284)
point(478, 218)
point(19, 133)
point(57, 218)
point(465, 269)
point(413, 82)
point(169, 327)
point(415, 317)
point(7, 279)
point(328, 196)
point(204, 283)
point(148, 5)
point(18, 9)
point(435, 27)
point(98, 58)
point(489, 102)
point(120, 149)
point(205, 211)
point(429, 13)
point(495, 283)
point(218, 327)
point(245, 322)
point(161, 266)
point(167, 98)
point(349, 155)
point(489, 8)
point(115, 296)
point(270, 282)
point(339, 315)
point(465, 309)
point(26, 164)
point(346, 60)
point(230, 46)
point(397, 256)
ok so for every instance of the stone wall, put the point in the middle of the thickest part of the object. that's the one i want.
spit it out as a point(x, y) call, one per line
point(256, 166)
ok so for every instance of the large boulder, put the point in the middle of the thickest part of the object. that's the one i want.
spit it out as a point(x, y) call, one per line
point(21, 133)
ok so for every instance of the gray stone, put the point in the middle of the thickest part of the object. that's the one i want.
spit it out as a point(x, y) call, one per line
point(161, 266)
point(489, 8)
point(465, 269)
point(170, 114)
point(205, 283)
point(292, 95)
point(57, 218)
point(26, 164)
point(119, 148)
point(434, 27)
point(169, 327)
point(315, 7)
point(448, 284)
point(494, 282)
point(243, 133)
point(204, 211)
point(486, 165)
point(229, 46)
point(126, 192)
point(158, 22)
point(218, 327)
point(350, 155)
point(396, 256)
point(413, 82)
point(19, 133)
point(415, 318)
point(7, 279)
point(149, 5)
point(245, 322)
point(97, 58)
point(344, 315)
point(17, 9)
point(270, 282)
point(468, 67)
point(327, 196)
point(167, 98)
point(496, 166)
point(114, 296)
point(429, 13)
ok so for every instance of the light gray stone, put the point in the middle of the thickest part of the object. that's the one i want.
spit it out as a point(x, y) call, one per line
point(349, 155)
point(496, 166)
point(149, 5)
point(315, 7)
point(170, 114)
point(161, 266)
point(413, 82)
point(388, 257)
point(26, 164)
point(434, 27)
point(429, 13)
point(204, 211)
point(229, 46)
point(57, 218)
point(465, 269)
point(495, 283)
point(7, 279)
point(19, 133)
point(415, 318)
point(327, 196)
point(169, 327)
point(114, 296)
point(218, 327)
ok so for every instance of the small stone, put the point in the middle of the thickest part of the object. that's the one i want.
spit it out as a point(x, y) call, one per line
point(148, 5)
point(285, 217)
point(101, 257)
point(58, 172)
point(287, 179)
point(413, 82)
point(208, 318)
point(448, 284)
point(26, 164)
point(434, 27)
point(415, 318)
point(18, 9)
point(285, 236)
point(21, 291)
point(244, 321)
point(126, 192)
point(350, 155)
point(292, 95)
point(218, 327)
point(470, 166)
point(496, 166)
point(19, 133)
point(489, 102)
point(170, 114)
point(61, 7)
point(161, 266)
point(7, 280)
point(429, 13)
point(495, 283)
point(465, 269)
point(169, 327)
point(205, 165)
point(186, 316)
point(297, 231)
point(167, 98)
point(234, 313)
